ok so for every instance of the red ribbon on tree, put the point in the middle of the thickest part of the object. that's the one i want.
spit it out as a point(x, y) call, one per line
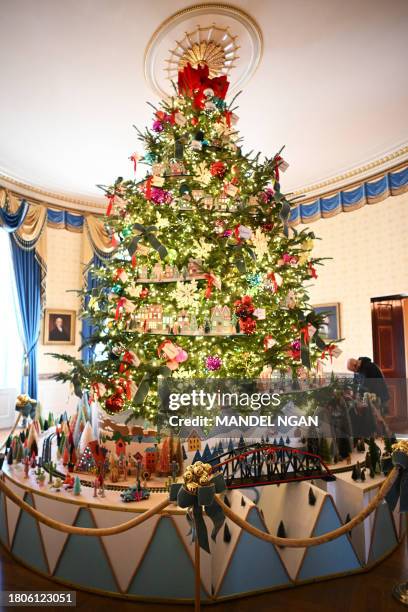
point(329, 349)
point(210, 278)
point(305, 333)
point(118, 272)
point(148, 188)
point(228, 116)
point(111, 199)
point(272, 278)
point(134, 158)
point(312, 271)
point(278, 160)
point(119, 305)
point(127, 360)
point(236, 234)
point(162, 345)
point(133, 261)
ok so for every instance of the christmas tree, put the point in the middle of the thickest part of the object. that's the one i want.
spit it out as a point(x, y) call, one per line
point(207, 278)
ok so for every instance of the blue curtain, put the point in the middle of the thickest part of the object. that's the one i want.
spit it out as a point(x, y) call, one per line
point(64, 219)
point(27, 272)
point(12, 221)
point(88, 352)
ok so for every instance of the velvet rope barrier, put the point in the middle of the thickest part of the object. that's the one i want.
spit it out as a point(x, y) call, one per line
point(326, 537)
point(83, 531)
point(267, 537)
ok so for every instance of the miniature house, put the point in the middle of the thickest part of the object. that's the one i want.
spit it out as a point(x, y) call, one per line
point(193, 441)
point(221, 322)
point(150, 458)
point(150, 318)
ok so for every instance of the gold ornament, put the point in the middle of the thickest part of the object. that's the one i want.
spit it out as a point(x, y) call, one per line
point(401, 446)
point(198, 470)
point(192, 487)
point(204, 480)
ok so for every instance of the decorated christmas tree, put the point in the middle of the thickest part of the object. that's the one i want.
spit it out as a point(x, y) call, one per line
point(207, 278)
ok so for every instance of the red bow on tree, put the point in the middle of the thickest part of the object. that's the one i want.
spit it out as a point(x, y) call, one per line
point(193, 81)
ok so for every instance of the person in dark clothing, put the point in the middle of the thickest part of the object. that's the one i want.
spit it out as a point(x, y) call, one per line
point(368, 378)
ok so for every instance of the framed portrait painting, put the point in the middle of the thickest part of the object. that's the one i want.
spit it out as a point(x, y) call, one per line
point(59, 326)
point(329, 330)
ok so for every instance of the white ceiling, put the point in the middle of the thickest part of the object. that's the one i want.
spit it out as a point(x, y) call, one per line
point(332, 86)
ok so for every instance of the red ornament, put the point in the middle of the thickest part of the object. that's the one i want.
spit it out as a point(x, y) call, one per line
point(267, 227)
point(194, 121)
point(248, 326)
point(114, 403)
point(218, 169)
point(244, 307)
point(144, 292)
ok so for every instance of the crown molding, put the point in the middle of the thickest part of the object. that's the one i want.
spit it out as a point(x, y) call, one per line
point(372, 170)
point(54, 199)
point(354, 176)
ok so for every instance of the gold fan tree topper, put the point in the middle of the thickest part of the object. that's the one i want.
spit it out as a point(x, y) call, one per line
point(211, 46)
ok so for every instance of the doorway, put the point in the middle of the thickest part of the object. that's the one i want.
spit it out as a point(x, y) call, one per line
point(389, 316)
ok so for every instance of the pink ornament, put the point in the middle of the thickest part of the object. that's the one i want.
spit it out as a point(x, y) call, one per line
point(161, 196)
point(182, 356)
point(157, 126)
point(213, 363)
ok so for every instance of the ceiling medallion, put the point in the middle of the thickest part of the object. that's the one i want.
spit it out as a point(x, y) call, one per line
point(214, 43)
point(212, 46)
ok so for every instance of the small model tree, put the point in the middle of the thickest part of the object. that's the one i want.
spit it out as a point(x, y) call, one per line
point(375, 454)
point(77, 486)
point(344, 447)
point(312, 497)
point(281, 533)
point(163, 464)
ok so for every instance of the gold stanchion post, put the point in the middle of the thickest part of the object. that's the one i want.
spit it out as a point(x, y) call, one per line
point(400, 591)
point(197, 590)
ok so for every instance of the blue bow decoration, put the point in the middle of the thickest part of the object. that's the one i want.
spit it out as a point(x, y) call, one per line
point(399, 490)
point(195, 501)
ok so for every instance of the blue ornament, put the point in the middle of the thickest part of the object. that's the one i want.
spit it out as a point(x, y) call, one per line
point(219, 103)
point(254, 280)
point(150, 158)
point(205, 143)
point(116, 289)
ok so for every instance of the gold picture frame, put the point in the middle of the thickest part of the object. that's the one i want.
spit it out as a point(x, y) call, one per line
point(62, 331)
point(333, 331)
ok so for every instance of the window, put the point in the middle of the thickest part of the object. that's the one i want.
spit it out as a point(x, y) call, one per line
point(11, 348)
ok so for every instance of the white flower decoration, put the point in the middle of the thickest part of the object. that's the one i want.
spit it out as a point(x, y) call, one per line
point(260, 242)
point(204, 175)
point(186, 294)
point(202, 249)
point(162, 222)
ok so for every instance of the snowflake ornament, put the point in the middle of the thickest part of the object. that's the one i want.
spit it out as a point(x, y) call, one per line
point(202, 249)
point(203, 175)
point(260, 242)
point(162, 222)
point(186, 294)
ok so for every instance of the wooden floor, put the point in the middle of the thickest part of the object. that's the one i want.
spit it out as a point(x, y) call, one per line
point(369, 592)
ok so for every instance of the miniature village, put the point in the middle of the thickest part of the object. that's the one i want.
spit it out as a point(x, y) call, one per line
point(93, 450)
point(153, 319)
